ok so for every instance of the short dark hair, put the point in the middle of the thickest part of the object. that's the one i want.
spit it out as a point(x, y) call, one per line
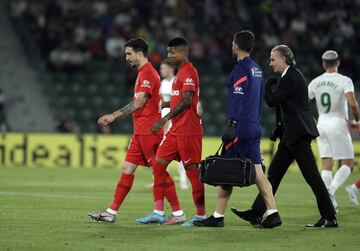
point(178, 41)
point(286, 52)
point(138, 44)
point(245, 40)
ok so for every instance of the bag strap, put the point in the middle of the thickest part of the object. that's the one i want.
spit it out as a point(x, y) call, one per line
point(222, 147)
point(217, 152)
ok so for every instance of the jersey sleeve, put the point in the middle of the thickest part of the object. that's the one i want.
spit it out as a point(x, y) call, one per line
point(189, 82)
point(348, 85)
point(236, 93)
point(311, 91)
point(146, 83)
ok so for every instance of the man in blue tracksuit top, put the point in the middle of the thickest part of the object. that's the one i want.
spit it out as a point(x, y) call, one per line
point(245, 91)
point(243, 133)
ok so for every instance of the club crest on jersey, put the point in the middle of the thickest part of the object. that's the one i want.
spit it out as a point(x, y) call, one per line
point(145, 83)
point(238, 90)
point(189, 81)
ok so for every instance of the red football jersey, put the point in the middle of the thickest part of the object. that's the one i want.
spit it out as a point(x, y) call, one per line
point(188, 122)
point(148, 80)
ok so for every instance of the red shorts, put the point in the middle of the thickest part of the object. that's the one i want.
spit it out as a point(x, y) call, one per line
point(179, 147)
point(142, 149)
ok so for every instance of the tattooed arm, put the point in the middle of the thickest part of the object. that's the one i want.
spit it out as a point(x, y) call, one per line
point(126, 110)
point(184, 103)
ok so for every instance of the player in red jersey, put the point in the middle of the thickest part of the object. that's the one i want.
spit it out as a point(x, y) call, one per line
point(145, 108)
point(183, 141)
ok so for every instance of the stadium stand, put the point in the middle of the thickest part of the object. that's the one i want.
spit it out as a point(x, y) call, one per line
point(77, 46)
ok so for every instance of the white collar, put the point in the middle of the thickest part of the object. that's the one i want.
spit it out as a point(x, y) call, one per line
point(284, 72)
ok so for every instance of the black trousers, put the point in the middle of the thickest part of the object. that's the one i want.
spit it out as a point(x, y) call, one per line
point(302, 153)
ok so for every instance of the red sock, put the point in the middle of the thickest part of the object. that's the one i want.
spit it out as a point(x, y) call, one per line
point(123, 187)
point(198, 191)
point(159, 189)
point(357, 184)
point(171, 195)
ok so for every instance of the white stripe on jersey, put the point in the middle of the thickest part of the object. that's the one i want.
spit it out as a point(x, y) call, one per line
point(329, 90)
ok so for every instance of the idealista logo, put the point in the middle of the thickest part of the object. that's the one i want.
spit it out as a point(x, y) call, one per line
point(48, 150)
point(145, 83)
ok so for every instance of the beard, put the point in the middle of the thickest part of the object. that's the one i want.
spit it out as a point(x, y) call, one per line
point(131, 64)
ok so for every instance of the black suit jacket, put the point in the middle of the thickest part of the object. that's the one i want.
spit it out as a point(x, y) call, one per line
point(292, 102)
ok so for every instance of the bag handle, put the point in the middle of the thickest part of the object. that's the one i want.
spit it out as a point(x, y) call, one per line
point(222, 147)
point(217, 152)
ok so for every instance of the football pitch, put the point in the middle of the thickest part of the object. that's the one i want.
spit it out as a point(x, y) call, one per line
point(46, 209)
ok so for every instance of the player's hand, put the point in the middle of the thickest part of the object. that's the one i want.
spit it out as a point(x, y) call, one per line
point(158, 125)
point(229, 133)
point(353, 124)
point(106, 119)
point(271, 81)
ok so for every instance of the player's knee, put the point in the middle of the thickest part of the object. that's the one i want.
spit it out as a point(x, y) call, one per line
point(190, 167)
point(127, 169)
point(226, 188)
point(162, 161)
point(259, 172)
point(348, 162)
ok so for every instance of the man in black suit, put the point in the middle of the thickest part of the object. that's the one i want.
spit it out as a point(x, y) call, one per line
point(296, 129)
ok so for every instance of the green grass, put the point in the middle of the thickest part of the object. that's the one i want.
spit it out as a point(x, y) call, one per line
point(46, 209)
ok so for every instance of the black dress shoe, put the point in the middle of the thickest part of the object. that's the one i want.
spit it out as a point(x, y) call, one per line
point(324, 223)
point(210, 222)
point(248, 215)
point(271, 221)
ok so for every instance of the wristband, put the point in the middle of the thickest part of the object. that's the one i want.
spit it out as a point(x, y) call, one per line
point(232, 123)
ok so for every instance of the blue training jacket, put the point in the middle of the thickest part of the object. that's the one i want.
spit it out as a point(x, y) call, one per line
point(245, 92)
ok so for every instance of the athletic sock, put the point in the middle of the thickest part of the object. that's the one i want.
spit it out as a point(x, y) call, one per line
point(159, 188)
point(110, 211)
point(123, 187)
point(198, 191)
point(217, 215)
point(159, 212)
point(178, 213)
point(326, 176)
point(339, 178)
point(357, 184)
point(170, 193)
point(271, 211)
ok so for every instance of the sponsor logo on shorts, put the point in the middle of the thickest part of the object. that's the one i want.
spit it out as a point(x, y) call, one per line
point(187, 161)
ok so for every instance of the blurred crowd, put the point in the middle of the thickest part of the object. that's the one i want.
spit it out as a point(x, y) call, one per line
point(69, 33)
